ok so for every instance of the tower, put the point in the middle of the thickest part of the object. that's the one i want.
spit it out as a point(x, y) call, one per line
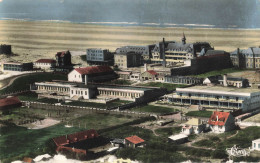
point(183, 39)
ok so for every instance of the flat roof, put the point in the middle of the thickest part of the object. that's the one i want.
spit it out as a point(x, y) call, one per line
point(218, 89)
point(178, 137)
point(256, 141)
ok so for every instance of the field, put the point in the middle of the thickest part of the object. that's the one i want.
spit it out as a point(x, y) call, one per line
point(153, 109)
point(32, 40)
point(206, 114)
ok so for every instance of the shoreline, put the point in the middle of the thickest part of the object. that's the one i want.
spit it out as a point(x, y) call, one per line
point(135, 24)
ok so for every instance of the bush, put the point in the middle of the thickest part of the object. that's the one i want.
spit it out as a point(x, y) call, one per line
point(219, 154)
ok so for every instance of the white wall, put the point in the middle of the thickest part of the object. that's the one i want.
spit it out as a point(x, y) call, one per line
point(74, 76)
point(81, 92)
point(43, 65)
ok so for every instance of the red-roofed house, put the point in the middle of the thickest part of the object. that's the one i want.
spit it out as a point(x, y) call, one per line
point(44, 63)
point(9, 103)
point(92, 73)
point(75, 142)
point(151, 75)
point(134, 141)
point(220, 122)
point(63, 59)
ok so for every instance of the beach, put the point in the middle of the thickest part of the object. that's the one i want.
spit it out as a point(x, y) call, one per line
point(32, 40)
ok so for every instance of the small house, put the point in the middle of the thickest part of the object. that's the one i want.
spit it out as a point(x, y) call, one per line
point(117, 142)
point(9, 103)
point(44, 63)
point(220, 122)
point(134, 141)
point(256, 144)
point(149, 75)
point(194, 125)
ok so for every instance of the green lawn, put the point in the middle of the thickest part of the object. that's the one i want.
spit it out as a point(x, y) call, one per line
point(202, 113)
point(23, 83)
point(119, 82)
point(168, 86)
point(153, 109)
point(166, 132)
point(219, 72)
point(97, 105)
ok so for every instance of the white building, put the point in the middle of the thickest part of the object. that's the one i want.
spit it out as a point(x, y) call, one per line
point(220, 122)
point(217, 97)
point(256, 144)
point(194, 125)
point(99, 56)
point(44, 63)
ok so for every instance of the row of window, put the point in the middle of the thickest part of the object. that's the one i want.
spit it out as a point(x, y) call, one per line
point(79, 92)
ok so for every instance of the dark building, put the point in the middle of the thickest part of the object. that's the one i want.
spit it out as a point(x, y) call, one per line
point(9, 103)
point(171, 52)
point(5, 49)
point(78, 144)
point(63, 59)
point(12, 66)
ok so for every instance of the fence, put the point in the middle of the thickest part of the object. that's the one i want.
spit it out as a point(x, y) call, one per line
point(39, 105)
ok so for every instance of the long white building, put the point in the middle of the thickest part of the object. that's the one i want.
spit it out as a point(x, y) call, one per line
point(217, 97)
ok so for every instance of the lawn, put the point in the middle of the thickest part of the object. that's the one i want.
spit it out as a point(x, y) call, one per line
point(119, 82)
point(219, 72)
point(168, 86)
point(17, 142)
point(97, 105)
point(32, 96)
point(23, 83)
point(166, 132)
point(153, 109)
point(201, 113)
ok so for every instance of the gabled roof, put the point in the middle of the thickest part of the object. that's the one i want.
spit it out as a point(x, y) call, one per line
point(62, 54)
point(152, 72)
point(93, 70)
point(45, 61)
point(75, 137)
point(135, 139)
point(218, 118)
point(9, 101)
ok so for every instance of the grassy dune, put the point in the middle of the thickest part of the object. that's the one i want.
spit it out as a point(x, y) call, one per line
point(34, 40)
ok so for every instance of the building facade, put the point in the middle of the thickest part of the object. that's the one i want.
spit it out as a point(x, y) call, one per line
point(92, 74)
point(44, 64)
point(12, 66)
point(126, 60)
point(220, 122)
point(256, 144)
point(63, 59)
point(5, 49)
point(217, 97)
point(182, 80)
point(246, 58)
point(99, 57)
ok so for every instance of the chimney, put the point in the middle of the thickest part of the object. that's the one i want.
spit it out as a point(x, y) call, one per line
point(217, 117)
point(225, 80)
point(145, 67)
point(86, 79)
point(253, 57)
point(163, 53)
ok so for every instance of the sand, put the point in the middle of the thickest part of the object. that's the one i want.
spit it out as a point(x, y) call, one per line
point(42, 124)
point(33, 40)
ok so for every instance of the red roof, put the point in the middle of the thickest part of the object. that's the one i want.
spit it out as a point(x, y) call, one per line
point(93, 70)
point(134, 139)
point(46, 61)
point(152, 72)
point(79, 136)
point(62, 54)
point(218, 118)
point(9, 101)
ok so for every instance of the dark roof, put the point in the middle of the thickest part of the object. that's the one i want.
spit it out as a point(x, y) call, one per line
point(93, 70)
point(152, 72)
point(62, 54)
point(214, 52)
point(9, 101)
point(183, 77)
point(135, 139)
point(46, 61)
point(180, 46)
point(75, 137)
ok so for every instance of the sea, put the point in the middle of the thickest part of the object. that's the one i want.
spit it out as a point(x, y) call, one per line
point(244, 14)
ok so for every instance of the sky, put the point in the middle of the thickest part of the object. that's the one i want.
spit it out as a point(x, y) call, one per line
point(220, 13)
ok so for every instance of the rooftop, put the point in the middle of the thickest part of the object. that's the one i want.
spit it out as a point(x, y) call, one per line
point(177, 137)
point(9, 101)
point(93, 70)
point(218, 89)
point(135, 139)
point(218, 118)
point(257, 140)
point(46, 61)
